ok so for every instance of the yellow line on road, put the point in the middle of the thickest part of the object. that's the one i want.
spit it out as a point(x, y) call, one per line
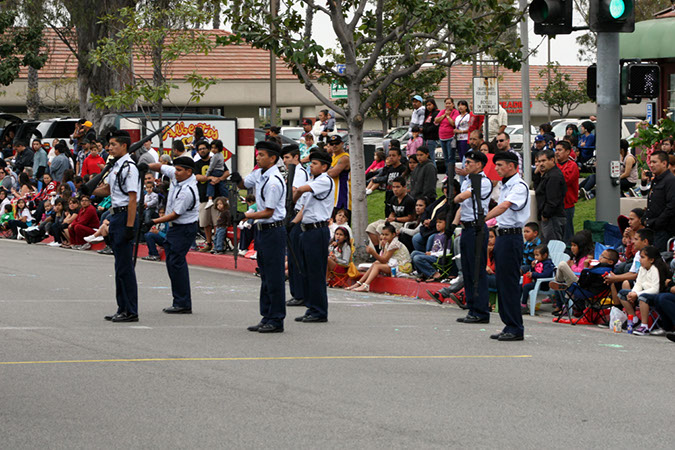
point(263, 358)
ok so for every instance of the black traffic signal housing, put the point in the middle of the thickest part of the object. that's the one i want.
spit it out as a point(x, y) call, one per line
point(592, 82)
point(612, 16)
point(551, 17)
point(639, 81)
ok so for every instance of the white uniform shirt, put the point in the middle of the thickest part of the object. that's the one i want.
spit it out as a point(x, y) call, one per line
point(515, 191)
point(319, 203)
point(183, 197)
point(301, 178)
point(123, 178)
point(468, 212)
point(270, 192)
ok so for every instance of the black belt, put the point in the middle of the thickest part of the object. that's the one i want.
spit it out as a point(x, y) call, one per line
point(119, 209)
point(313, 226)
point(472, 224)
point(172, 224)
point(270, 225)
point(504, 231)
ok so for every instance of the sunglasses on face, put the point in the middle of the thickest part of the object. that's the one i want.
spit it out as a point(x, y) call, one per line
point(501, 140)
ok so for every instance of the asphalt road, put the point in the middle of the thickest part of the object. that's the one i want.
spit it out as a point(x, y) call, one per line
point(385, 372)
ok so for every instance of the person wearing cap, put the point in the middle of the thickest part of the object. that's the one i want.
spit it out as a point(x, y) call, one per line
point(291, 157)
point(182, 214)
point(269, 235)
point(317, 207)
point(478, 302)
point(539, 145)
point(340, 172)
point(417, 118)
point(512, 213)
point(122, 185)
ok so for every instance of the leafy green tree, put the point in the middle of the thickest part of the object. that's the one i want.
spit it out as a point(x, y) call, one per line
point(558, 95)
point(415, 31)
point(158, 33)
point(21, 45)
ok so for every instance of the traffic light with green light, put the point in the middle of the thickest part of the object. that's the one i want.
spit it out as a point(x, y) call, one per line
point(612, 16)
point(551, 17)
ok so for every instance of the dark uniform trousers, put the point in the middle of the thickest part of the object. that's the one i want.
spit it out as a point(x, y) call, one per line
point(314, 251)
point(508, 258)
point(479, 305)
point(295, 281)
point(270, 246)
point(126, 288)
point(179, 239)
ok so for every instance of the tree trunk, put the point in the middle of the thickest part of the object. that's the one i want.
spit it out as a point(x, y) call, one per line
point(33, 95)
point(216, 14)
point(357, 173)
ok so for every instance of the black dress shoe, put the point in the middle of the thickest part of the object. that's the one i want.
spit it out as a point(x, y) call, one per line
point(510, 337)
point(255, 327)
point(269, 328)
point(177, 310)
point(436, 296)
point(295, 302)
point(125, 317)
point(110, 317)
point(314, 319)
point(496, 336)
point(301, 318)
point(472, 319)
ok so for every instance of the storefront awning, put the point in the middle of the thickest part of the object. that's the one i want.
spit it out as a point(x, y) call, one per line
point(652, 39)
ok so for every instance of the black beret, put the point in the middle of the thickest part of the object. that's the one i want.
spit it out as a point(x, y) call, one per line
point(506, 156)
point(321, 156)
point(185, 161)
point(335, 139)
point(269, 146)
point(289, 148)
point(477, 156)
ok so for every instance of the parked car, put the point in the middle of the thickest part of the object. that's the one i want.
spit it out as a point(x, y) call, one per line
point(294, 133)
point(516, 135)
point(373, 137)
point(399, 133)
point(260, 136)
point(60, 128)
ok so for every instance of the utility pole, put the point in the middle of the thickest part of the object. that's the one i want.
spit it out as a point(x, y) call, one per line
point(525, 96)
point(548, 74)
point(608, 126)
point(273, 72)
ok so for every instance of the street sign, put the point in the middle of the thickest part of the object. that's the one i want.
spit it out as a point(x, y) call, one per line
point(485, 95)
point(650, 112)
point(338, 90)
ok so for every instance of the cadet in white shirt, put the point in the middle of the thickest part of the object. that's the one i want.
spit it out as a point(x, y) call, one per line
point(122, 184)
point(182, 213)
point(478, 302)
point(512, 213)
point(317, 209)
point(269, 235)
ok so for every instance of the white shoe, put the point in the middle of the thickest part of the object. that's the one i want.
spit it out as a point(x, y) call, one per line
point(242, 252)
point(369, 191)
point(19, 235)
point(54, 244)
point(89, 238)
point(209, 204)
point(86, 246)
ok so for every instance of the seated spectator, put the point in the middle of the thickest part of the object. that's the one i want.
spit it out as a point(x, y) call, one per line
point(428, 227)
point(642, 238)
point(591, 280)
point(339, 251)
point(532, 240)
point(542, 267)
point(23, 218)
point(586, 142)
point(424, 178)
point(650, 281)
point(47, 218)
point(375, 166)
point(83, 225)
point(412, 228)
point(568, 271)
point(7, 215)
point(222, 224)
point(634, 224)
point(490, 269)
point(393, 168)
point(93, 164)
point(399, 210)
point(341, 219)
point(57, 227)
point(665, 306)
point(71, 214)
point(156, 236)
point(4, 200)
point(437, 246)
point(393, 254)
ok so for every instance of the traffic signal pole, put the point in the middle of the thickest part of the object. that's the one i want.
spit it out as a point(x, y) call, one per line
point(608, 129)
point(525, 90)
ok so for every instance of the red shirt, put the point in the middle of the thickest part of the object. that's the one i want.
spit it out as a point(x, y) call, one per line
point(88, 217)
point(570, 171)
point(90, 164)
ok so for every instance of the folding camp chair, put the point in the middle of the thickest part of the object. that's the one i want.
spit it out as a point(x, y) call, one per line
point(557, 259)
point(583, 307)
